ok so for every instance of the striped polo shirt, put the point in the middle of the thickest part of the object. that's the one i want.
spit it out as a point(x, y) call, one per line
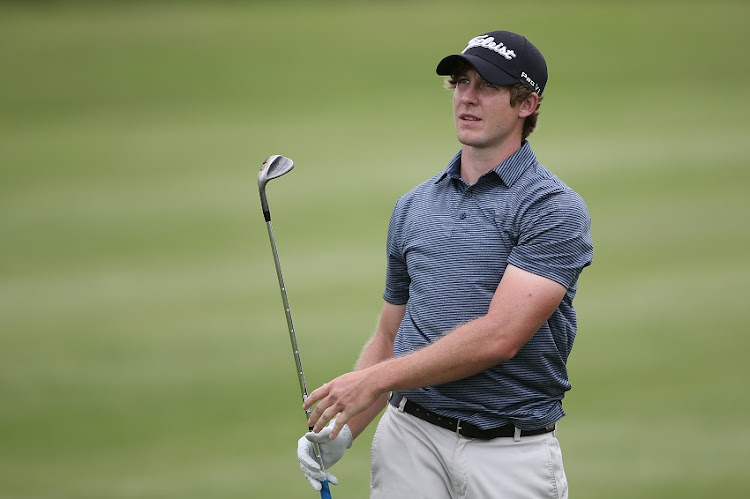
point(448, 246)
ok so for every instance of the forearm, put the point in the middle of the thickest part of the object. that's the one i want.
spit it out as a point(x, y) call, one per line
point(378, 349)
point(467, 350)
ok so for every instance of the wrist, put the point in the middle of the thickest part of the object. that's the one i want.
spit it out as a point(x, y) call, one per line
point(379, 377)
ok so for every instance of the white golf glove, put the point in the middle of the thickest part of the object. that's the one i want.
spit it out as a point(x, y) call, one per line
point(330, 450)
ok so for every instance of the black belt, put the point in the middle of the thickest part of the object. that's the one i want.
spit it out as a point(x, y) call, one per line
point(463, 428)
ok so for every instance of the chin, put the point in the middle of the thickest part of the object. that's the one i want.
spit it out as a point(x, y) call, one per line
point(471, 141)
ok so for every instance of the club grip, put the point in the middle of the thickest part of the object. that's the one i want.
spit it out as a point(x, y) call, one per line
point(325, 492)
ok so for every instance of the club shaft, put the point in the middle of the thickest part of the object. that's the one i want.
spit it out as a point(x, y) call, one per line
point(287, 311)
point(290, 324)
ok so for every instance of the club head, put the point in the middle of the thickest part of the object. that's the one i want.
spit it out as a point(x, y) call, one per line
point(275, 166)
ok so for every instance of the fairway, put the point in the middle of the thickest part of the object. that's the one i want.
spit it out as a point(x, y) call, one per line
point(143, 346)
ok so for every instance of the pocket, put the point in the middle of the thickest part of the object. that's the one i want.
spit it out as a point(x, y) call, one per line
point(557, 470)
point(375, 445)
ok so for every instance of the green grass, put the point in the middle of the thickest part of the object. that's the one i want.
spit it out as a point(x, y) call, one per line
point(143, 349)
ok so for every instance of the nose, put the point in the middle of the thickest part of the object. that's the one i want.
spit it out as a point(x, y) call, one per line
point(468, 93)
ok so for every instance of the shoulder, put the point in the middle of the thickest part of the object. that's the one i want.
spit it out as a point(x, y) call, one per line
point(540, 187)
point(420, 193)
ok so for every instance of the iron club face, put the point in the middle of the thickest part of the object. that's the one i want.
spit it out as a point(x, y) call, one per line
point(274, 167)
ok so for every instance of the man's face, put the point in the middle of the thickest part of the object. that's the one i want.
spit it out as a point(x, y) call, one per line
point(482, 113)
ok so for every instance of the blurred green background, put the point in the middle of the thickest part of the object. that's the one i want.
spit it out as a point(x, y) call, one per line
point(143, 347)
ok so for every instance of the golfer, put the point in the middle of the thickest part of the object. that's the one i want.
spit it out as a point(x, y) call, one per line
point(470, 352)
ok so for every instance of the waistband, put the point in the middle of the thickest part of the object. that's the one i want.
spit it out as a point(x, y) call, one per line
point(463, 428)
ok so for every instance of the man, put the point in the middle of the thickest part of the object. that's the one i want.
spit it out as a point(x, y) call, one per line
point(478, 322)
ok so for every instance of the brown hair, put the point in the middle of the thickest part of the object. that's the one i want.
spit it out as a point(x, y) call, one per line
point(518, 93)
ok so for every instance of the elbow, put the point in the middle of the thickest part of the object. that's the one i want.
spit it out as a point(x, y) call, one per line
point(504, 343)
point(505, 346)
point(496, 352)
point(505, 350)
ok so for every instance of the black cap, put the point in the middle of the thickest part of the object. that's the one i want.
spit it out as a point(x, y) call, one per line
point(501, 58)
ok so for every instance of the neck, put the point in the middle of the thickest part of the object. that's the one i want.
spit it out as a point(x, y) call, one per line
point(475, 162)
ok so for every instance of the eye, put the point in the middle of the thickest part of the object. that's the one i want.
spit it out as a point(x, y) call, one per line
point(487, 84)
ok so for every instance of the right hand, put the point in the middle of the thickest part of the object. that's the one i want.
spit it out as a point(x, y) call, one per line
point(331, 450)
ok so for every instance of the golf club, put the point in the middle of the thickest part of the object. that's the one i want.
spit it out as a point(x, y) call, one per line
point(274, 167)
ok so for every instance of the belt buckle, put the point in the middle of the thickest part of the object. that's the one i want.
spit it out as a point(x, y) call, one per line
point(458, 428)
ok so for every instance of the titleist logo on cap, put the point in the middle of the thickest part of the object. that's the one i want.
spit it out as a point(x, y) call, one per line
point(488, 42)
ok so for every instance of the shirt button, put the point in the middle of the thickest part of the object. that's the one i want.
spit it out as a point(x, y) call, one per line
point(462, 216)
point(468, 194)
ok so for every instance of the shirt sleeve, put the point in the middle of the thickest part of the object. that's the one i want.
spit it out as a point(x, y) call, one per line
point(554, 239)
point(397, 279)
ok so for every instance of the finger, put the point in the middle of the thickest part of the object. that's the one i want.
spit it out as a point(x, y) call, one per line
point(315, 483)
point(341, 420)
point(319, 437)
point(315, 397)
point(308, 462)
point(314, 475)
point(323, 420)
point(332, 478)
point(314, 417)
point(320, 416)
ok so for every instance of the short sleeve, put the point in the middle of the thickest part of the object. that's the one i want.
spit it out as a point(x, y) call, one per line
point(397, 279)
point(554, 239)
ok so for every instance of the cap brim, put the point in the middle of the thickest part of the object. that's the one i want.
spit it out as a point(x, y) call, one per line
point(487, 70)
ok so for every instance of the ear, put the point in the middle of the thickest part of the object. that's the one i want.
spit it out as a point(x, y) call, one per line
point(528, 106)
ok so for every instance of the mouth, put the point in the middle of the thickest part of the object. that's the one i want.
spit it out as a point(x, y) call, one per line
point(469, 118)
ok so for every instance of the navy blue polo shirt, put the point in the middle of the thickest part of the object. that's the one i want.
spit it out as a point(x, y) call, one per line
point(448, 246)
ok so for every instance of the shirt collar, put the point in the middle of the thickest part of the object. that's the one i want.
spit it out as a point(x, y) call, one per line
point(509, 170)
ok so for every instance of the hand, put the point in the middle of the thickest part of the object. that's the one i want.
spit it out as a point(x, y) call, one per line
point(331, 450)
point(341, 399)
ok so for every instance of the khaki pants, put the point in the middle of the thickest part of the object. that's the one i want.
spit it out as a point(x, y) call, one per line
point(413, 459)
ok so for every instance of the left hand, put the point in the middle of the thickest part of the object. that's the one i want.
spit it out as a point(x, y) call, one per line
point(342, 398)
point(331, 451)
